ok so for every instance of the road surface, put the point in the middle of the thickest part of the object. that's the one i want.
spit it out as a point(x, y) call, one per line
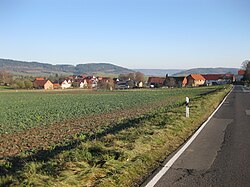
point(220, 154)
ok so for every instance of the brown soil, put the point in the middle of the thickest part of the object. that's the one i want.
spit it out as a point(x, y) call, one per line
point(41, 137)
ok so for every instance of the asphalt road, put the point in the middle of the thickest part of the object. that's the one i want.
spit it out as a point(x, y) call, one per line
point(220, 154)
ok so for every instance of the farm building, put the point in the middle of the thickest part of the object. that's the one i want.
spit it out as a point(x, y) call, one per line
point(156, 81)
point(195, 80)
point(213, 79)
point(41, 83)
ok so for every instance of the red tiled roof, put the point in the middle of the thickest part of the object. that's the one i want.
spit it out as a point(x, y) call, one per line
point(39, 79)
point(229, 75)
point(105, 79)
point(56, 84)
point(39, 83)
point(212, 76)
point(197, 76)
point(83, 76)
point(65, 82)
point(89, 81)
point(241, 72)
point(159, 80)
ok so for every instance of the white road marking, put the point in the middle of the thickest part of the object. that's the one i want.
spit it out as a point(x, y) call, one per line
point(168, 165)
point(248, 112)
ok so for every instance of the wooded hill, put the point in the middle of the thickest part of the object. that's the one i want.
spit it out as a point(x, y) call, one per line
point(45, 69)
point(16, 67)
point(159, 72)
point(207, 71)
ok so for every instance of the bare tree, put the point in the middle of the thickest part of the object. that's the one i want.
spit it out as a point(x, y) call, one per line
point(139, 77)
point(244, 64)
point(123, 77)
point(28, 84)
point(170, 82)
point(5, 77)
point(247, 74)
point(131, 76)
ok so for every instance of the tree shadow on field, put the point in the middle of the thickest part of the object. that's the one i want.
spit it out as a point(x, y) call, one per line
point(210, 92)
point(17, 163)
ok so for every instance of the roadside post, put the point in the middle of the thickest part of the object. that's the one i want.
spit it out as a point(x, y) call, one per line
point(187, 107)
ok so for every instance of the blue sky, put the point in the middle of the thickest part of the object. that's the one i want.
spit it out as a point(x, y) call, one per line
point(131, 33)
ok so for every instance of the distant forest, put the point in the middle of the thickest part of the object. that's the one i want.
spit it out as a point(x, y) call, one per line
point(44, 69)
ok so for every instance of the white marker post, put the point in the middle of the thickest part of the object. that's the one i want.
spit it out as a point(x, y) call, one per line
point(187, 107)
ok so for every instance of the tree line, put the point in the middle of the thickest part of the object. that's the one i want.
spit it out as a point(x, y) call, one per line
point(246, 67)
point(26, 82)
point(6, 79)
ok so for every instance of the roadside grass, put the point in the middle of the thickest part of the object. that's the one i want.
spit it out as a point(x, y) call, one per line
point(122, 158)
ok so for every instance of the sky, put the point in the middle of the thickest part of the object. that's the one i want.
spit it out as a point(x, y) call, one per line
point(158, 34)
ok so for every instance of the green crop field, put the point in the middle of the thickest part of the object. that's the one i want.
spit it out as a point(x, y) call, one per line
point(23, 110)
point(5, 88)
point(95, 138)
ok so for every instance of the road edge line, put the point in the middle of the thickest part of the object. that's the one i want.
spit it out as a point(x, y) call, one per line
point(168, 165)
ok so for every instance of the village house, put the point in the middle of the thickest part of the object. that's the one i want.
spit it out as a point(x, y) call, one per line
point(66, 84)
point(56, 85)
point(213, 79)
point(84, 83)
point(124, 84)
point(105, 80)
point(88, 82)
point(41, 83)
point(239, 77)
point(92, 83)
point(79, 81)
point(92, 80)
point(195, 80)
point(156, 81)
point(139, 84)
point(228, 78)
point(105, 83)
point(115, 80)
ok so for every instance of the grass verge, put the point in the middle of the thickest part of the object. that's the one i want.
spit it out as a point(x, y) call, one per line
point(122, 158)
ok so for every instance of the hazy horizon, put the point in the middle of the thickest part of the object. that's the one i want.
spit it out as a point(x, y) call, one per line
point(119, 65)
point(136, 34)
